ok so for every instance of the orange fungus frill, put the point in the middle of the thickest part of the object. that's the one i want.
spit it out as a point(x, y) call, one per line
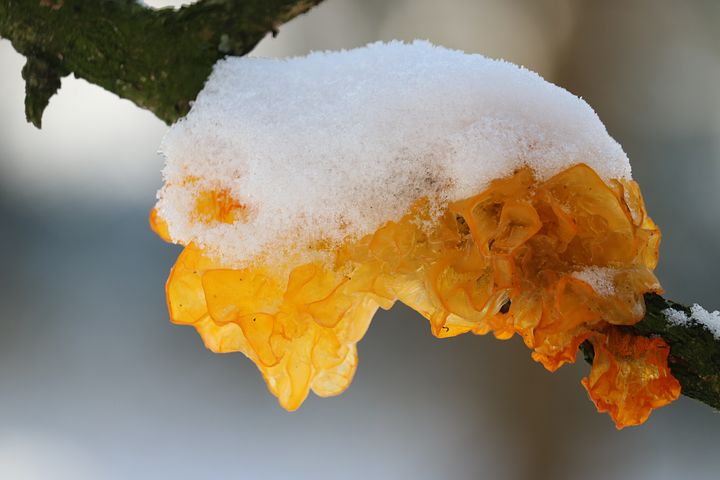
point(630, 376)
point(508, 260)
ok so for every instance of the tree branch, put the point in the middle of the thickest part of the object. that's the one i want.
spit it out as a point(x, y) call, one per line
point(159, 59)
point(694, 351)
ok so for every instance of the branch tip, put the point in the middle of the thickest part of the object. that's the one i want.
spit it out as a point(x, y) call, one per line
point(42, 81)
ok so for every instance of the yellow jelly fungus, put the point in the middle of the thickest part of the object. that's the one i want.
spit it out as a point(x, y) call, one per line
point(218, 206)
point(159, 226)
point(502, 261)
point(630, 376)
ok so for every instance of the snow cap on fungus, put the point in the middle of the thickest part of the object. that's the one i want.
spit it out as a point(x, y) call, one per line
point(335, 144)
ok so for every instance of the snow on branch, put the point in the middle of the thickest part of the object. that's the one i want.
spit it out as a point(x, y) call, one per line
point(157, 58)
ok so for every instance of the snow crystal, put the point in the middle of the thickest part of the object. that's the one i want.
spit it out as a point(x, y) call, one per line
point(334, 144)
point(601, 279)
point(709, 320)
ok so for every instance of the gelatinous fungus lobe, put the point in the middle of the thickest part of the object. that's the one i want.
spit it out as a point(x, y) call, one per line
point(557, 261)
point(299, 329)
point(630, 376)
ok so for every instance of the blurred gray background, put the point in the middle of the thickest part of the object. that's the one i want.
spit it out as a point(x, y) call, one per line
point(95, 383)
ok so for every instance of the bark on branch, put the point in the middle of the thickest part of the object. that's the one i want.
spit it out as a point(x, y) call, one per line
point(159, 59)
point(694, 351)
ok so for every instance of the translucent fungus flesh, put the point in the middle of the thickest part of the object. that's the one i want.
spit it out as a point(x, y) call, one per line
point(503, 261)
point(630, 376)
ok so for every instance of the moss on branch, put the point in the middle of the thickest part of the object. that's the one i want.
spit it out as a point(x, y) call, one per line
point(694, 351)
point(159, 59)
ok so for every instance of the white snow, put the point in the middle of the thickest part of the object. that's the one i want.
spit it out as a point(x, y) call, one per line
point(709, 320)
point(335, 144)
point(601, 279)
